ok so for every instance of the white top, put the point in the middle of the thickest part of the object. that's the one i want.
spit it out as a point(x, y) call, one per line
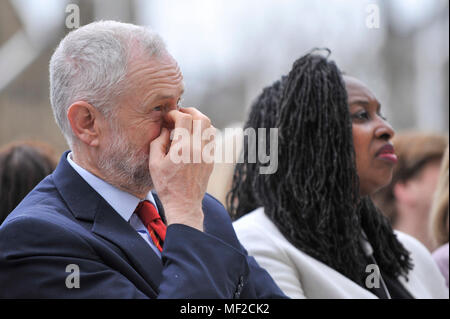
point(122, 202)
point(301, 276)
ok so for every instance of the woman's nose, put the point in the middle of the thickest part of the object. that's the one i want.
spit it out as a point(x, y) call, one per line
point(384, 130)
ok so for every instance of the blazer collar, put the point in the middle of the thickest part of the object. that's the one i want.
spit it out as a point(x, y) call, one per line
point(160, 207)
point(87, 205)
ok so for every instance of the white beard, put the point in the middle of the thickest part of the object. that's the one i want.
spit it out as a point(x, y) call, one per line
point(124, 165)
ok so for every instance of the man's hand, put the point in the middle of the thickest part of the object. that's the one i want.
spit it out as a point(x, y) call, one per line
point(181, 186)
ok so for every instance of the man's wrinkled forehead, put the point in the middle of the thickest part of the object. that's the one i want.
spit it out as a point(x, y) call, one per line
point(159, 67)
point(154, 79)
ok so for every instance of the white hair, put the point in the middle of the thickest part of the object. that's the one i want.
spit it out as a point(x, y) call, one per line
point(90, 64)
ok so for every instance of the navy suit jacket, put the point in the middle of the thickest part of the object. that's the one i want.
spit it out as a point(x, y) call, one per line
point(63, 221)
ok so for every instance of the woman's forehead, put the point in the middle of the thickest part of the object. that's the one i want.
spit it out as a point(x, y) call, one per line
point(357, 89)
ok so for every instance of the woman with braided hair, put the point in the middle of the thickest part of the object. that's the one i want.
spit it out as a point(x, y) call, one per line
point(311, 224)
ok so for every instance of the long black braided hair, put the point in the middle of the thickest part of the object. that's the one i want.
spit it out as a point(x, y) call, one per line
point(313, 198)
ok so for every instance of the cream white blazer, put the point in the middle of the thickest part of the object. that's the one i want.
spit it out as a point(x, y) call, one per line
point(301, 276)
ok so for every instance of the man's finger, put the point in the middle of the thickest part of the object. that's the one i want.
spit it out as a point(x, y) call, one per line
point(197, 115)
point(179, 120)
point(159, 146)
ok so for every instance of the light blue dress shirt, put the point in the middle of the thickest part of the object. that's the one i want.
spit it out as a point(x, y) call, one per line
point(122, 202)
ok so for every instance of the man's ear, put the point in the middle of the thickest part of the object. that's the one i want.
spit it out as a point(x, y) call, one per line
point(84, 120)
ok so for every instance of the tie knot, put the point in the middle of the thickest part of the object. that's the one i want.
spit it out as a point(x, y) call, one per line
point(147, 212)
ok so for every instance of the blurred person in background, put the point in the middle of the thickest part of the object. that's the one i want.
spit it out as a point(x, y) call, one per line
point(406, 201)
point(312, 224)
point(22, 166)
point(128, 220)
point(439, 219)
point(221, 177)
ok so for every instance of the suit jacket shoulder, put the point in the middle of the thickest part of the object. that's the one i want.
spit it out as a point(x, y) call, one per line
point(64, 229)
point(425, 280)
point(301, 276)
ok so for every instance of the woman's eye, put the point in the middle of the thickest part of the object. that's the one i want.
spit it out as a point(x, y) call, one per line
point(361, 115)
point(158, 108)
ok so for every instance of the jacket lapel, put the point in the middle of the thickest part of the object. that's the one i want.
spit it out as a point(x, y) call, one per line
point(109, 225)
point(87, 205)
point(160, 207)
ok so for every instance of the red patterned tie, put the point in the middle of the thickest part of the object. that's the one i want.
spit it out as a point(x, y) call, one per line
point(149, 216)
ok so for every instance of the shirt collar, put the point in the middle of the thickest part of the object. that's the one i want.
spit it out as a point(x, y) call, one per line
point(122, 202)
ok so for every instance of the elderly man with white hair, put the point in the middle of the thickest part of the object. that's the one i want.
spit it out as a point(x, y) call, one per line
point(119, 218)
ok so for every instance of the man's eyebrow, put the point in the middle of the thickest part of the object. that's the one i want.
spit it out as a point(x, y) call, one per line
point(166, 97)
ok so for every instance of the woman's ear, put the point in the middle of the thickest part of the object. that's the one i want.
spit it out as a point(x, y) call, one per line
point(83, 119)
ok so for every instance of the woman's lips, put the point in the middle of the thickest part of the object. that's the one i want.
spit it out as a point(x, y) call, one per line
point(387, 153)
